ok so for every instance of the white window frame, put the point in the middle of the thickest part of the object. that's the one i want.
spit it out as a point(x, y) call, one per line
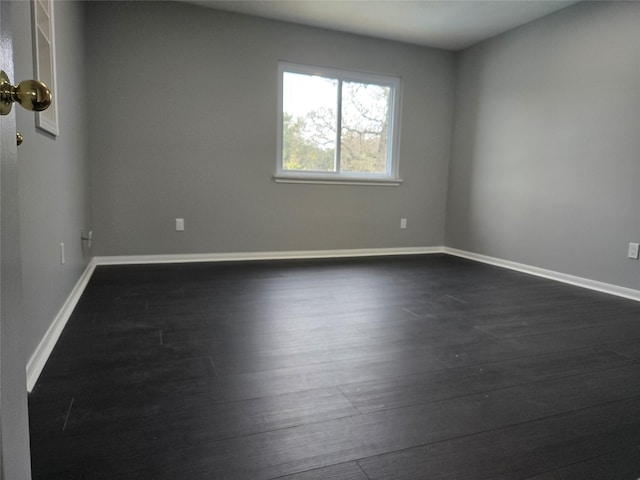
point(390, 177)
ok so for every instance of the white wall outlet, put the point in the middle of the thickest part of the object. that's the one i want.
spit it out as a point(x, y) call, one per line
point(86, 238)
point(403, 223)
point(62, 259)
point(179, 224)
point(634, 250)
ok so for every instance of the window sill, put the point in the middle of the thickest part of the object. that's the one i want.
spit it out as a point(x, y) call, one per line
point(320, 180)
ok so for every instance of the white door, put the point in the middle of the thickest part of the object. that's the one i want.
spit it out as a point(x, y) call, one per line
point(14, 425)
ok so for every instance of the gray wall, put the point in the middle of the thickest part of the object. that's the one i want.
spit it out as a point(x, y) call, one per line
point(545, 167)
point(54, 174)
point(185, 126)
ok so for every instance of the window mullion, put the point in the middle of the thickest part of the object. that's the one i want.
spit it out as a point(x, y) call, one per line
point(338, 128)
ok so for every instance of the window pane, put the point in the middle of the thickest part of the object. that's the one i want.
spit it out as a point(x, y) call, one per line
point(309, 122)
point(365, 127)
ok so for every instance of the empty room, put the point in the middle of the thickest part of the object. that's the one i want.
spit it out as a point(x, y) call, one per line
point(303, 240)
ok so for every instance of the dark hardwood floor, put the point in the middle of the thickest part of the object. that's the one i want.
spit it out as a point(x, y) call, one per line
point(417, 367)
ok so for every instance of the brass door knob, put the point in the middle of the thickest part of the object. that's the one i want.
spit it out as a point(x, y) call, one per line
point(31, 94)
point(19, 138)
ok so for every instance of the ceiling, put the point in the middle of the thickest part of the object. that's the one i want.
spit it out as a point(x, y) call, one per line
point(448, 24)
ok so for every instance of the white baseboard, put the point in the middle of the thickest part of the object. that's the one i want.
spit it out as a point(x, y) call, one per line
point(45, 347)
point(550, 274)
point(285, 255)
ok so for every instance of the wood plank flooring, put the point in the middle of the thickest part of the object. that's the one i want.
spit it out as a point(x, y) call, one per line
point(417, 367)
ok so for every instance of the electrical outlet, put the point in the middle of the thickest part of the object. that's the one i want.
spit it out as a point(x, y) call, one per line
point(179, 224)
point(403, 223)
point(86, 238)
point(634, 250)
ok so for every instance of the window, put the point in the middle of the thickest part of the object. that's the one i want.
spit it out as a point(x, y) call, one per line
point(337, 126)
